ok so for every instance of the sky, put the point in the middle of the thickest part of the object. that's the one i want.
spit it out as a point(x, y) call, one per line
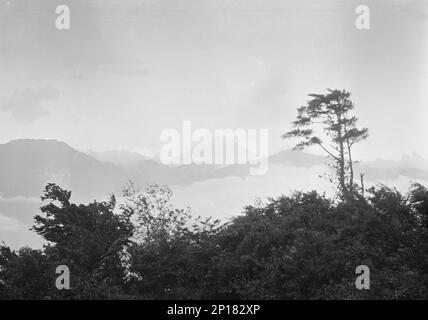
point(126, 70)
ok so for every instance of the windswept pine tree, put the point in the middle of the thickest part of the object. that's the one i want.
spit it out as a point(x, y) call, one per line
point(327, 121)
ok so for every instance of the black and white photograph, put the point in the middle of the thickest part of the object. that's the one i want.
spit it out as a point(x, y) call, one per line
point(221, 150)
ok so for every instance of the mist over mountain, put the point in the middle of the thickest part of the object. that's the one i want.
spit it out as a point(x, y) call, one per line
point(120, 157)
point(411, 166)
point(26, 166)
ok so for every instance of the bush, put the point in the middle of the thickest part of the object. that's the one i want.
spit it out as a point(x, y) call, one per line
point(303, 246)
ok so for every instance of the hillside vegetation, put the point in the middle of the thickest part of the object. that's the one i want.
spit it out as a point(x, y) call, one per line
point(302, 246)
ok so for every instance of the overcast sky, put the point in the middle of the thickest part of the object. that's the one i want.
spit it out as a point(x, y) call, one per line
point(129, 69)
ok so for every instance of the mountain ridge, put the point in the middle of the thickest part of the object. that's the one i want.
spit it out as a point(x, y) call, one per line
point(26, 165)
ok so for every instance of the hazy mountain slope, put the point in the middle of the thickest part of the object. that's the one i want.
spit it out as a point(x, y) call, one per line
point(27, 165)
point(120, 157)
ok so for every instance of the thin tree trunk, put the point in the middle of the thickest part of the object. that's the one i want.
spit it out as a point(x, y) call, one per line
point(362, 184)
point(342, 169)
point(341, 158)
point(351, 167)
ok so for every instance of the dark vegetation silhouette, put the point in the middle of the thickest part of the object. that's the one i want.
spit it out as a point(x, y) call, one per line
point(300, 246)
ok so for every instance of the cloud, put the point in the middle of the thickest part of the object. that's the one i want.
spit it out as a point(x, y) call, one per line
point(125, 66)
point(226, 197)
point(28, 105)
point(19, 199)
point(10, 224)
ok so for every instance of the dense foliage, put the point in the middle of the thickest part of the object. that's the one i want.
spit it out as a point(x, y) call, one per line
point(303, 246)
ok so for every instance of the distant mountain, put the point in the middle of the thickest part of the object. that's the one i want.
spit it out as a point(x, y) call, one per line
point(413, 167)
point(27, 165)
point(297, 158)
point(120, 157)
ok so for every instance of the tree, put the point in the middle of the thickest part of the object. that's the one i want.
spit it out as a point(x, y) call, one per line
point(25, 274)
point(153, 216)
point(156, 219)
point(170, 252)
point(90, 239)
point(302, 246)
point(326, 121)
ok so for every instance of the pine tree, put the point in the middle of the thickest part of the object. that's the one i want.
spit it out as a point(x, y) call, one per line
point(327, 121)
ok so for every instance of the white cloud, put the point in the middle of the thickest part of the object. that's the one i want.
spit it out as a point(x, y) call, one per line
point(10, 224)
point(19, 199)
point(27, 105)
point(144, 152)
point(225, 198)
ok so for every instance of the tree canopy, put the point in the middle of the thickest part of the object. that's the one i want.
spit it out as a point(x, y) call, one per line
point(327, 121)
point(301, 246)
